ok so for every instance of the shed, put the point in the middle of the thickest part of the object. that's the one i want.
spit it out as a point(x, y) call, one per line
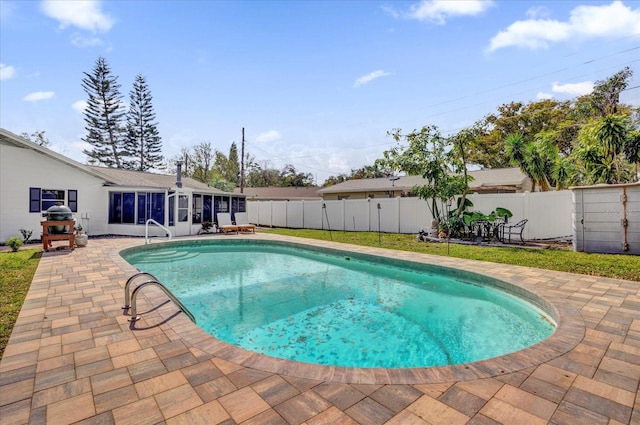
point(606, 218)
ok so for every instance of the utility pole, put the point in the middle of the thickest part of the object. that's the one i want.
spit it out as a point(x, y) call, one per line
point(242, 165)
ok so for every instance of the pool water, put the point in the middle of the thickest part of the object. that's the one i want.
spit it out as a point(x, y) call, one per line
point(314, 307)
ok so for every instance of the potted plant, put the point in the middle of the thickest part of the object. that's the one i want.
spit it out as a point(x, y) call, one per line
point(82, 239)
point(206, 227)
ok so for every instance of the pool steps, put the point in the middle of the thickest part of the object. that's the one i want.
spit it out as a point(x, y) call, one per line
point(167, 255)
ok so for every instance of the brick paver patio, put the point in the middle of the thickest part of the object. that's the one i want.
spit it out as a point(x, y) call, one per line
point(73, 357)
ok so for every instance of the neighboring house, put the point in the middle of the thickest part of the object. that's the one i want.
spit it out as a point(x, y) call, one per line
point(105, 201)
point(496, 180)
point(280, 193)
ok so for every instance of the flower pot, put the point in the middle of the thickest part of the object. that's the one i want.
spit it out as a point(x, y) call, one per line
point(82, 239)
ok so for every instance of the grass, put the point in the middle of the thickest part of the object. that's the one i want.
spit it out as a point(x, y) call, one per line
point(606, 265)
point(16, 273)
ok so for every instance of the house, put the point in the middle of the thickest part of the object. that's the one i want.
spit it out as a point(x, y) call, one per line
point(104, 201)
point(280, 193)
point(487, 180)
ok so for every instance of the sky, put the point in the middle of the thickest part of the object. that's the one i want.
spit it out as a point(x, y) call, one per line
point(315, 84)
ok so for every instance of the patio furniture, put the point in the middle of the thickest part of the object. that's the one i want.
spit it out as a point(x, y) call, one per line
point(224, 223)
point(242, 221)
point(506, 230)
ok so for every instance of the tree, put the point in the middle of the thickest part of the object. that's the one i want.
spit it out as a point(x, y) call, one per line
point(202, 161)
point(104, 116)
point(612, 133)
point(430, 155)
point(143, 141)
point(536, 159)
point(233, 165)
point(37, 137)
point(290, 177)
point(632, 150)
point(606, 94)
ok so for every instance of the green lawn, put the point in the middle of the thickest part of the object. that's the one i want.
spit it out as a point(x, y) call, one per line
point(16, 273)
point(567, 260)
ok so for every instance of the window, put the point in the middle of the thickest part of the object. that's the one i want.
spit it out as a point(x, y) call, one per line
point(183, 208)
point(122, 207)
point(150, 205)
point(42, 199)
point(197, 208)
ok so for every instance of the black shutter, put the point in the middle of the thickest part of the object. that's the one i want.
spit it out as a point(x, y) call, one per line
point(34, 200)
point(73, 200)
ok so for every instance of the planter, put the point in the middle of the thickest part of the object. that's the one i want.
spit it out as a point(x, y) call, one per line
point(82, 239)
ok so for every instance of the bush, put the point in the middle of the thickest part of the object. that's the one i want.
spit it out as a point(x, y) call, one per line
point(26, 235)
point(15, 243)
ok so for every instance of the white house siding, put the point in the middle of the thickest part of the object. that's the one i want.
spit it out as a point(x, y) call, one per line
point(25, 168)
point(598, 217)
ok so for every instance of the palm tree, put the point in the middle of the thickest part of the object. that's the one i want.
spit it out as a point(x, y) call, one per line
point(632, 150)
point(612, 133)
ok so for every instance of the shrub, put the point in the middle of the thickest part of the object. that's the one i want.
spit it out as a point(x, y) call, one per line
point(15, 243)
point(26, 235)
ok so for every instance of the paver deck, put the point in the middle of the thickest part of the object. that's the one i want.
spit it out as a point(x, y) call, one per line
point(74, 357)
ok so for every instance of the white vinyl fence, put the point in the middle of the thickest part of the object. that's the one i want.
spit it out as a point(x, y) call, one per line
point(549, 213)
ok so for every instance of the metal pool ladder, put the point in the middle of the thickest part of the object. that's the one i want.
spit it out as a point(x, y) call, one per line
point(130, 298)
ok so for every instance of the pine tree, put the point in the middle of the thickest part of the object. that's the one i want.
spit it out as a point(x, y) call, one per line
point(104, 116)
point(233, 165)
point(143, 141)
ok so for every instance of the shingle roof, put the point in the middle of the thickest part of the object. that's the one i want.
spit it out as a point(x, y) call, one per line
point(120, 177)
point(484, 178)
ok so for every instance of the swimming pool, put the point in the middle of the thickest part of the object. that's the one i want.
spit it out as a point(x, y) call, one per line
point(329, 307)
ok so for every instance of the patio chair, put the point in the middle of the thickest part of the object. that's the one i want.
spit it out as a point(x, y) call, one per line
point(506, 230)
point(224, 223)
point(242, 221)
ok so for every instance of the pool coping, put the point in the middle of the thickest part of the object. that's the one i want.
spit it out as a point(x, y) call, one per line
point(570, 328)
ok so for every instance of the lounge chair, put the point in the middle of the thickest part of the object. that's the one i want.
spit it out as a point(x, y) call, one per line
point(242, 221)
point(224, 223)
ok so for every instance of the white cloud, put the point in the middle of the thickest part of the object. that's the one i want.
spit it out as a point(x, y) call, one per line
point(544, 96)
point(38, 96)
point(577, 89)
point(6, 72)
point(538, 12)
point(79, 105)
point(613, 20)
point(268, 136)
point(83, 14)
point(438, 11)
point(338, 164)
point(81, 41)
point(370, 77)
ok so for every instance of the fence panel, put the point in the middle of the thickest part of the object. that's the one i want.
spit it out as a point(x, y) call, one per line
point(384, 214)
point(333, 215)
point(295, 214)
point(279, 213)
point(414, 215)
point(313, 214)
point(356, 215)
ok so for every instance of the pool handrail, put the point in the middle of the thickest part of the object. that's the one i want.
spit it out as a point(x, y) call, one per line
point(127, 294)
point(146, 230)
point(134, 294)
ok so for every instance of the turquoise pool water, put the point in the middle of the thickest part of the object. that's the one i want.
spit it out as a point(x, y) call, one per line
point(336, 308)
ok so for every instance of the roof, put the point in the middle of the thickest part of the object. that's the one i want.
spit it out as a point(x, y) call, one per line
point(279, 193)
point(111, 176)
point(120, 177)
point(485, 178)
